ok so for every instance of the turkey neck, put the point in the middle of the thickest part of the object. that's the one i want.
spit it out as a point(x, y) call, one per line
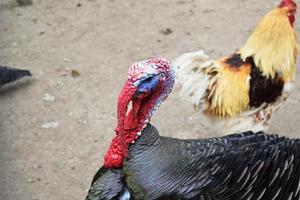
point(131, 123)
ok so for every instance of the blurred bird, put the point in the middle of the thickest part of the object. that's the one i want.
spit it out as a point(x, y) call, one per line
point(8, 75)
point(240, 92)
point(142, 165)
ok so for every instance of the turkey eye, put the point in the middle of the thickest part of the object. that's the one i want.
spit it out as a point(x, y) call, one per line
point(147, 80)
point(148, 84)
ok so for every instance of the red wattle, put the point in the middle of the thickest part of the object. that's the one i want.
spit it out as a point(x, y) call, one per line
point(130, 124)
point(131, 121)
point(118, 149)
point(115, 155)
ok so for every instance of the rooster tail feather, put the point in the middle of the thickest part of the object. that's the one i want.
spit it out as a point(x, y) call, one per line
point(190, 76)
point(8, 74)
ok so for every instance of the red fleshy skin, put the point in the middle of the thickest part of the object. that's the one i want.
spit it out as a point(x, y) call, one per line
point(129, 123)
point(113, 160)
point(291, 4)
point(114, 156)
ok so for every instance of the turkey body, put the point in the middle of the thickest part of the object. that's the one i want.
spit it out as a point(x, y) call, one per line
point(247, 166)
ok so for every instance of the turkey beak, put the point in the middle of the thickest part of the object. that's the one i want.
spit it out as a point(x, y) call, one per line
point(128, 114)
point(137, 95)
point(131, 119)
point(136, 100)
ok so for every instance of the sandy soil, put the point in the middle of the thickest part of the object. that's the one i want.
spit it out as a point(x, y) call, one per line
point(100, 39)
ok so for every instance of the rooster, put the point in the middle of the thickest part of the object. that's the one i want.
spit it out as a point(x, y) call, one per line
point(246, 166)
point(8, 74)
point(241, 91)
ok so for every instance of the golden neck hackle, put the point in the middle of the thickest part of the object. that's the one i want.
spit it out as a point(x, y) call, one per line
point(273, 45)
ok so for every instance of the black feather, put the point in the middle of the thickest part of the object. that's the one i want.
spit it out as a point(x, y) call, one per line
point(246, 166)
point(263, 89)
point(8, 74)
point(235, 167)
point(235, 60)
point(107, 184)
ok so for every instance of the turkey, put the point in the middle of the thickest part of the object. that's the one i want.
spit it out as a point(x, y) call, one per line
point(240, 92)
point(141, 164)
point(8, 74)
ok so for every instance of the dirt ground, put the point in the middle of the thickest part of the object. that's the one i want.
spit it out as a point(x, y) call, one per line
point(55, 127)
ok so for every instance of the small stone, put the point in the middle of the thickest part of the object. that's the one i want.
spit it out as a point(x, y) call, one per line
point(47, 125)
point(30, 180)
point(75, 73)
point(48, 97)
point(82, 121)
point(79, 5)
point(60, 83)
point(66, 60)
point(166, 31)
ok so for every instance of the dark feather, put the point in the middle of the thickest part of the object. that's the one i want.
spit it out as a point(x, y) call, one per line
point(107, 184)
point(8, 74)
point(247, 166)
point(235, 61)
point(263, 89)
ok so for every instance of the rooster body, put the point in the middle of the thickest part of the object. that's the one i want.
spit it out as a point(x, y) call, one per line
point(241, 91)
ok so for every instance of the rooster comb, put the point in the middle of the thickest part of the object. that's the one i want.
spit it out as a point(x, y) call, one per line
point(284, 3)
